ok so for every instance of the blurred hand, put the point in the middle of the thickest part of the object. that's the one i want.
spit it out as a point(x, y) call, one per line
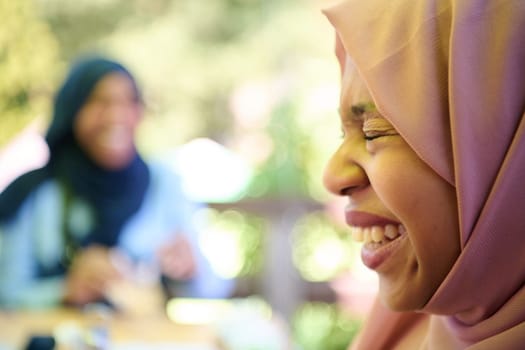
point(177, 260)
point(89, 275)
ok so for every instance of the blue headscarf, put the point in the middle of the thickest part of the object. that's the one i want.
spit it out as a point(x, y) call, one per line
point(114, 195)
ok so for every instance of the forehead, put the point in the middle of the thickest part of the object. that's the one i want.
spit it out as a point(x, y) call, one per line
point(353, 89)
point(113, 84)
point(355, 95)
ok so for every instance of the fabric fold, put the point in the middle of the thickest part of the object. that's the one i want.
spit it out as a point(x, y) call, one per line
point(449, 75)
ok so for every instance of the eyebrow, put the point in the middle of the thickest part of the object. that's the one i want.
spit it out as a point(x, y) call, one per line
point(361, 108)
point(361, 111)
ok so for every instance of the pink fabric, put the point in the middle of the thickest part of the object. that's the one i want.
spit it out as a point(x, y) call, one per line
point(450, 76)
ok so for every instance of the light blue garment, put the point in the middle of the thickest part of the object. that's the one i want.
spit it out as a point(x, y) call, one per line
point(33, 237)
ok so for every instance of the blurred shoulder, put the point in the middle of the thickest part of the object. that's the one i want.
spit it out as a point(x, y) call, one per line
point(44, 199)
point(165, 180)
point(161, 171)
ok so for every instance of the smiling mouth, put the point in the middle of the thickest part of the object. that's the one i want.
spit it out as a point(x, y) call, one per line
point(116, 138)
point(377, 235)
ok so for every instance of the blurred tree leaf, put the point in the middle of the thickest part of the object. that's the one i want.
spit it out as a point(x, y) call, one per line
point(80, 25)
point(283, 174)
point(28, 66)
point(318, 325)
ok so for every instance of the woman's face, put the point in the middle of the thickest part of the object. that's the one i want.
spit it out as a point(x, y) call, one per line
point(405, 213)
point(105, 125)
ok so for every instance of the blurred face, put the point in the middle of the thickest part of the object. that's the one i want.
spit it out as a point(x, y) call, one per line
point(105, 125)
point(403, 212)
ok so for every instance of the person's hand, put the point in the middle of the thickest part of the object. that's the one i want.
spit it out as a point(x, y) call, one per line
point(177, 260)
point(89, 276)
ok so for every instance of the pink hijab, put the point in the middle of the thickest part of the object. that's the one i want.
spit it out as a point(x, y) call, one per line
point(450, 75)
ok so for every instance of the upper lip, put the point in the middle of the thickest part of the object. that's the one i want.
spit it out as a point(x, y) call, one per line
point(364, 219)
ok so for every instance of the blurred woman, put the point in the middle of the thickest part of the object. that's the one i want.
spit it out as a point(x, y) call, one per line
point(97, 210)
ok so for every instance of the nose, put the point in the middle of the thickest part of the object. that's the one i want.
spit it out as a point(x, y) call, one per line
point(344, 173)
point(119, 111)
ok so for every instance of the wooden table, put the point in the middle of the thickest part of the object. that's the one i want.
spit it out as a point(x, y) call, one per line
point(17, 327)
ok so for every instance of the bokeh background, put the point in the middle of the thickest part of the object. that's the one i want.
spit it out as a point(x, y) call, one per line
point(241, 98)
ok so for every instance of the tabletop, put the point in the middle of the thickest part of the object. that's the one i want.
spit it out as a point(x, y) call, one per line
point(71, 327)
point(185, 324)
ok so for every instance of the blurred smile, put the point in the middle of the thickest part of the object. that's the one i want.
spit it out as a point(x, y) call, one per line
point(115, 139)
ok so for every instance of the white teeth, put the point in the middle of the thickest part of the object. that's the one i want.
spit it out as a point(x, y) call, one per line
point(391, 231)
point(367, 235)
point(376, 233)
point(357, 234)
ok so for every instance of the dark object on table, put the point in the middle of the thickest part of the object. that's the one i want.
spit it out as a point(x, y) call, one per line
point(41, 342)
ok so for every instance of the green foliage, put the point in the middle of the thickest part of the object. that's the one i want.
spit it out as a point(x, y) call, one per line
point(323, 326)
point(282, 175)
point(320, 249)
point(81, 25)
point(191, 57)
point(233, 242)
point(28, 67)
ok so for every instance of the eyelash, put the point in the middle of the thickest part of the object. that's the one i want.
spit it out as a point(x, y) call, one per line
point(372, 137)
point(365, 136)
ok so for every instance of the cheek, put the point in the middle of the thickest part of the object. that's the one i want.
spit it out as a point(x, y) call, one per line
point(395, 182)
point(134, 123)
point(424, 202)
point(84, 129)
point(426, 205)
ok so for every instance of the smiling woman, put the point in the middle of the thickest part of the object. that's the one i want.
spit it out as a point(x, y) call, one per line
point(433, 191)
point(97, 219)
point(391, 190)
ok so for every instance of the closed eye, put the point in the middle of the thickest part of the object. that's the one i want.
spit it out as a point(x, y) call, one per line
point(370, 136)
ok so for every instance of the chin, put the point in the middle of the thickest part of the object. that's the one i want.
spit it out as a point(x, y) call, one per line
point(116, 161)
point(402, 299)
